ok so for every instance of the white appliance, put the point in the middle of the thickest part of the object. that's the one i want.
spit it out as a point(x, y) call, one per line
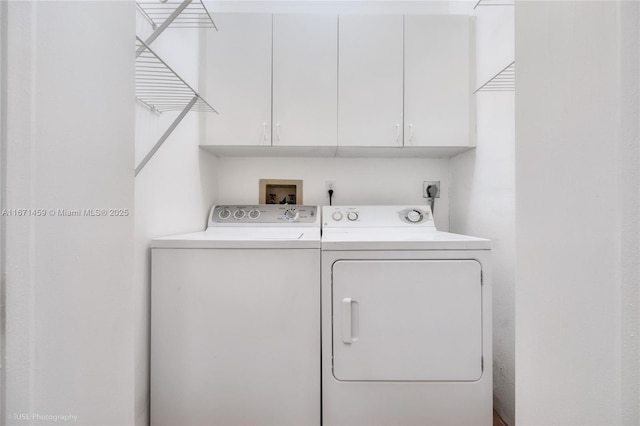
point(406, 320)
point(235, 320)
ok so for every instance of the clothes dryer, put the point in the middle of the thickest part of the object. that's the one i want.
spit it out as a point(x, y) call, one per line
point(406, 320)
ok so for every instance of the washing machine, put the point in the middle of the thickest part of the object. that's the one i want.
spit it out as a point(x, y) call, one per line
point(406, 320)
point(235, 320)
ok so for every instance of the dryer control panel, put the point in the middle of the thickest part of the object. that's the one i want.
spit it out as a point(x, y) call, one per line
point(377, 216)
point(264, 214)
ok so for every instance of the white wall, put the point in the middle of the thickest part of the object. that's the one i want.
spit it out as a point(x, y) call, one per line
point(629, 180)
point(3, 168)
point(483, 204)
point(359, 181)
point(577, 213)
point(68, 145)
point(483, 192)
point(173, 192)
point(494, 40)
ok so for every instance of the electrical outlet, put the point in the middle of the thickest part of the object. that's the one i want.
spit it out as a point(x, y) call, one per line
point(331, 186)
point(428, 185)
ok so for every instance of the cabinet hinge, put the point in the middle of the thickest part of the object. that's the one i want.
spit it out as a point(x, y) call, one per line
point(481, 278)
point(481, 363)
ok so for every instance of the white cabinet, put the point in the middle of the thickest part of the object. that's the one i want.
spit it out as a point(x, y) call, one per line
point(238, 76)
point(354, 85)
point(370, 75)
point(438, 78)
point(305, 80)
point(405, 82)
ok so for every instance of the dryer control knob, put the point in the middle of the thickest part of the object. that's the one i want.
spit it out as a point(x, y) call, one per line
point(238, 214)
point(414, 216)
point(224, 214)
point(336, 216)
point(291, 214)
point(352, 216)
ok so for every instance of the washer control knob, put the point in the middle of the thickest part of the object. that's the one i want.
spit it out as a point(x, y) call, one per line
point(239, 214)
point(336, 216)
point(254, 214)
point(291, 214)
point(414, 216)
point(224, 213)
point(352, 216)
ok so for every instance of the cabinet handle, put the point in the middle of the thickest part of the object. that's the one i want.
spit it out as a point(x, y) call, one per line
point(397, 132)
point(277, 132)
point(264, 133)
point(411, 133)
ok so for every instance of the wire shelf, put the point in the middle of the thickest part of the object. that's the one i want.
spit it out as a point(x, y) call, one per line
point(193, 15)
point(160, 88)
point(504, 81)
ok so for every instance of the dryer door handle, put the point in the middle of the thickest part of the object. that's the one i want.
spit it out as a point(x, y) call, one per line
point(349, 320)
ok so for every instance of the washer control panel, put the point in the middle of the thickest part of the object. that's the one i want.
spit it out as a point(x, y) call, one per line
point(263, 214)
point(377, 216)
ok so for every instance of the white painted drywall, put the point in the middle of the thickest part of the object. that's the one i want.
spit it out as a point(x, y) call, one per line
point(576, 213)
point(494, 40)
point(483, 192)
point(173, 192)
point(629, 181)
point(69, 145)
point(3, 168)
point(359, 181)
point(482, 203)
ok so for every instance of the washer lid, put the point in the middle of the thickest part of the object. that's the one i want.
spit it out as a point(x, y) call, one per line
point(244, 237)
point(399, 239)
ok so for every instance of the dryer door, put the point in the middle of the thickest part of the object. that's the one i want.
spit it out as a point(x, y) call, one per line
point(407, 320)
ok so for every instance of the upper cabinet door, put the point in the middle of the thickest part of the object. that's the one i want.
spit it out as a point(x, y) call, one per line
point(238, 76)
point(370, 70)
point(439, 70)
point(305, 80)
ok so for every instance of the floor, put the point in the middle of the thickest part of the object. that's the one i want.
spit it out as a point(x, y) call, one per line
point(497, 420)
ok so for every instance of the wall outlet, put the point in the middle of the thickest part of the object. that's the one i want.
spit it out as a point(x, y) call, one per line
point(428, 187)
point(331, 185)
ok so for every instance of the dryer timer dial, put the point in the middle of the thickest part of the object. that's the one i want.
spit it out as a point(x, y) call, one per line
point(414, 216)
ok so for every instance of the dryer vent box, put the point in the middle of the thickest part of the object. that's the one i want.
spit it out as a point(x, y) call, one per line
point(280, 191)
